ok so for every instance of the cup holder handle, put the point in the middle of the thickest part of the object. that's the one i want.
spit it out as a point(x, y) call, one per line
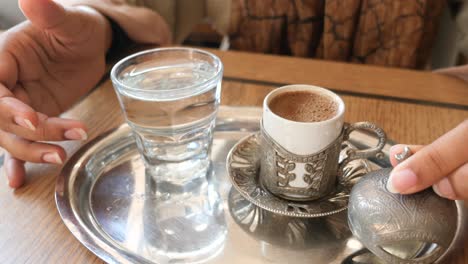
point(353, 154)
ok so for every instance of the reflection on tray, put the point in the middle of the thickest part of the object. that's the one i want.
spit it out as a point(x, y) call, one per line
point(283, 238)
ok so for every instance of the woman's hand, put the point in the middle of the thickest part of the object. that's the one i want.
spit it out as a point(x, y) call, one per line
point(443, 164)
point(46, 64)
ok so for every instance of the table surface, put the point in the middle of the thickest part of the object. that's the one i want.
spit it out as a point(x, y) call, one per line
point(413, 107)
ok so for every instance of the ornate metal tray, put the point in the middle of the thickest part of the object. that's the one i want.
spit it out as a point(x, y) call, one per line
point(101, 198)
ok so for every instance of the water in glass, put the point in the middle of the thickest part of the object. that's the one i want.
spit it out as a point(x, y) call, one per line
point(171, 107)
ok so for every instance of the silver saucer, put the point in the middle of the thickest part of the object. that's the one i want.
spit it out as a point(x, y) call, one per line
point(243, 163)
point(286, 231)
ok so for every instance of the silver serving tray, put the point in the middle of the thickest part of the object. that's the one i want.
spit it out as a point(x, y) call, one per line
point(101, 200)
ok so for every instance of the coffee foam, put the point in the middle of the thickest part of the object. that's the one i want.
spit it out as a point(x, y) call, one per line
point(304, 106)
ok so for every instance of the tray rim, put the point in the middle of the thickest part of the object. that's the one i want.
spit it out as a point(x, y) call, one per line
point(74, 224)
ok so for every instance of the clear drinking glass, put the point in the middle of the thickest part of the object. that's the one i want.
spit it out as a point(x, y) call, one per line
point(170, 98)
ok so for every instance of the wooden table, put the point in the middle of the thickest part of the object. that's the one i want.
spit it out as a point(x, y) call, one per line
point(413, 107)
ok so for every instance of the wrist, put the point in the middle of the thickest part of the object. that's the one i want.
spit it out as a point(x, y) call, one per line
point(119, 39)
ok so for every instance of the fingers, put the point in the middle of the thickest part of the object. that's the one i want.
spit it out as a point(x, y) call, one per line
point(398, 149)
point(455, 185)
point(53, 129)
point(20, 119)
point(31, 151)
point(15, 112)
point(14, 170)
point(431, 163)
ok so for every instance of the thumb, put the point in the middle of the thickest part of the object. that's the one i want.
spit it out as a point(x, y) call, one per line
point(44, 14)
point(52, 16)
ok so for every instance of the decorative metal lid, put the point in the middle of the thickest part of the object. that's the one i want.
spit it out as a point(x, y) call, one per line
point(416, 228)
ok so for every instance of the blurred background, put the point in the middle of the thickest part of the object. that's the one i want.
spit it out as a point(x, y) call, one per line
point(448, 48)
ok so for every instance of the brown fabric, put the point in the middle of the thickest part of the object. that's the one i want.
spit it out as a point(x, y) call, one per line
point(395, 33)
point(141, 24)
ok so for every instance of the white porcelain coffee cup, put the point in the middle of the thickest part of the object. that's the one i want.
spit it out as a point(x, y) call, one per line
point(303, 138)
point(300, 160)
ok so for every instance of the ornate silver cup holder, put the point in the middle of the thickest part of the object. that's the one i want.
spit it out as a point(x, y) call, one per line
point(243, 164)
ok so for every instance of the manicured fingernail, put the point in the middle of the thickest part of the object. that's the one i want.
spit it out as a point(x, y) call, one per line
point(52, 158)
point(401, 180)
point(436, 190)
point(26, 123)
point(76, 134)
point(444, 189)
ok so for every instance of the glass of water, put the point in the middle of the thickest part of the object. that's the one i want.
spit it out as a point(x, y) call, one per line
point(170, 98)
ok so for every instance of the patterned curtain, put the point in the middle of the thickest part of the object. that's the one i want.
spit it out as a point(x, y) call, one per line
point(396, 33)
